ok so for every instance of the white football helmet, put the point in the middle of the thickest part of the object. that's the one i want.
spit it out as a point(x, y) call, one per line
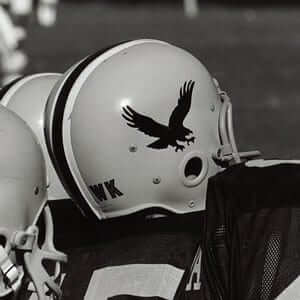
point(27, 96)
point(140, 125)
point(23, 197)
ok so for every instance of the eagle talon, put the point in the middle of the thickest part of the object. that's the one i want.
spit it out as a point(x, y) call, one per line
point(179, 147)
point(190, 140)
point(168, 135)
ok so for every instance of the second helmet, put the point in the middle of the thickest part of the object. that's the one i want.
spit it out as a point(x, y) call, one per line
point(27, 97)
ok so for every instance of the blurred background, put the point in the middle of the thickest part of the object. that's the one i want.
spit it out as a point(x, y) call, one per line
point(252, 48)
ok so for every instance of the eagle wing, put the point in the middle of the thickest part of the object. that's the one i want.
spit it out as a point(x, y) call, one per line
point(143, 123)
point(184, 104)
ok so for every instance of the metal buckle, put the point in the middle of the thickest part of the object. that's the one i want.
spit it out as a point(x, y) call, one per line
point(12, 276)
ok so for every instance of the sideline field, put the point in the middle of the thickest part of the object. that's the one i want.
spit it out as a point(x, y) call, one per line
point(254, 53)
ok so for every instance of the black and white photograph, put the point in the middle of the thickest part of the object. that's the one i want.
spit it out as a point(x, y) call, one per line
point(149, 150)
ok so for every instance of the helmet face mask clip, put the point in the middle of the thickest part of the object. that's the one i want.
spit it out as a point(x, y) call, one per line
point(228, 154)
point(10, 275)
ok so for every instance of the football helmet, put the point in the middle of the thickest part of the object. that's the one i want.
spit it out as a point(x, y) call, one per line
point(23, 196)
point(27, 96)
point(141, 125)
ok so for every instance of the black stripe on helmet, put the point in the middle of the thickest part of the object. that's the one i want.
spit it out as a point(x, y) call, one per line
point(6, 87)
point(62, 166)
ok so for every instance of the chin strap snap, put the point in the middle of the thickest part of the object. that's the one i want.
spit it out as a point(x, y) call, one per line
point(12, 275)
point(225, 155)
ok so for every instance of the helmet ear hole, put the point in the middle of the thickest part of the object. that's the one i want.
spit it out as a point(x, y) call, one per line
point(3, 241)
point(193, 168)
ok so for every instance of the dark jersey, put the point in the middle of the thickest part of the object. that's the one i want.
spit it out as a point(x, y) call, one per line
point(132, 257)
point(252, 243)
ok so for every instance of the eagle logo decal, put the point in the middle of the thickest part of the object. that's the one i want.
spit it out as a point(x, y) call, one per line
point(172, 133)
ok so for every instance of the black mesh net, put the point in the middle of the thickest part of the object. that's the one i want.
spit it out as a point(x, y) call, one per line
point(252, 242)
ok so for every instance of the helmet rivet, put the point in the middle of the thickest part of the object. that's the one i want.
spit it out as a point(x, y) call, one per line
point(133, 148)
point(36, 190)
point(212, 107)
point(191, 203)
point(156, 180)
point(23, 240)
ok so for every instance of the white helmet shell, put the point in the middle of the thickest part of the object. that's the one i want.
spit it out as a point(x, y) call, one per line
point(137, 126)
point(27, 96)
point(21, 164)
point(23, 195)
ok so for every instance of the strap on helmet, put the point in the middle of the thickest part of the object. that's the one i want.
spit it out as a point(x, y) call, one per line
point(12, 276)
